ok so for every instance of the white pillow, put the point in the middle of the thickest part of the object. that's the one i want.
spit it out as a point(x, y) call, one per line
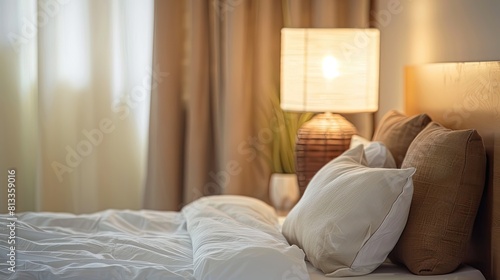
point(350, 216)
point(377, 155)
point(358, 140)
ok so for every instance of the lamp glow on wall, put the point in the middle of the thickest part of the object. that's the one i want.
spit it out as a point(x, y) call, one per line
point(331, 70)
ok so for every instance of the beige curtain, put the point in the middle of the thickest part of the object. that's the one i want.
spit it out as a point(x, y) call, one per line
point(211, 123)
point(78, 76)
point(208, 129)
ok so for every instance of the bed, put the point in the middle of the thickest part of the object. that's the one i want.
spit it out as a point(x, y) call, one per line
point(231, 237)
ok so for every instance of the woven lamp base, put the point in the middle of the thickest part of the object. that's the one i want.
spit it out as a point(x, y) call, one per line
point(320, 140)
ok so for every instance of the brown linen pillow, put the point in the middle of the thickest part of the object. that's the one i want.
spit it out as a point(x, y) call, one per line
point(397, 131)
point(448, 185)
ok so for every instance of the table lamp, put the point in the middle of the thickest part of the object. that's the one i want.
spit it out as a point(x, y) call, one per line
point(327, 70)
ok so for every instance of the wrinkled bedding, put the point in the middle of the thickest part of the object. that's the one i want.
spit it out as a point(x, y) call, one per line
point(223, 237)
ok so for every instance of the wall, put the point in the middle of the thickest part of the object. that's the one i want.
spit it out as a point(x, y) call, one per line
point(424, 31)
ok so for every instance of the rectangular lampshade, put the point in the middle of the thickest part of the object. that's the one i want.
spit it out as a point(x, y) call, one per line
point(329, 69)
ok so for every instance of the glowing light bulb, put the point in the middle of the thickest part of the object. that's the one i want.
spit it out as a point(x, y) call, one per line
point(330, 67)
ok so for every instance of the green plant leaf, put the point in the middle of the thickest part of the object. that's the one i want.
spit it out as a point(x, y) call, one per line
point(285, 135)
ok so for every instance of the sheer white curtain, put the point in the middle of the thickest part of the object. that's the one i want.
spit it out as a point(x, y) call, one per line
point(75, 80)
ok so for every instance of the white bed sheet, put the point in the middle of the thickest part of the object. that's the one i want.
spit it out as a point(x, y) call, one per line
point(106, 245)
point(136, 245)
point(393, 272)
point(218, 237)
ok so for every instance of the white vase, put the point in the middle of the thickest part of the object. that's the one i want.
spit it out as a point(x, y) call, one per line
point(284, 192)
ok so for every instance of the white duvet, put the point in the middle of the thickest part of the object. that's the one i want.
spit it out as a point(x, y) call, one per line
point(218, 237)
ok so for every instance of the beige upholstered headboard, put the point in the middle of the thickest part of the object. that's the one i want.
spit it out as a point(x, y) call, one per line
point(459, 96)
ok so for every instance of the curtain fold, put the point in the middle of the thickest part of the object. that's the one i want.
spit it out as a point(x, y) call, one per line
point(200, 139)
point(166, 128)
point(18, 102)
point(212, 132)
